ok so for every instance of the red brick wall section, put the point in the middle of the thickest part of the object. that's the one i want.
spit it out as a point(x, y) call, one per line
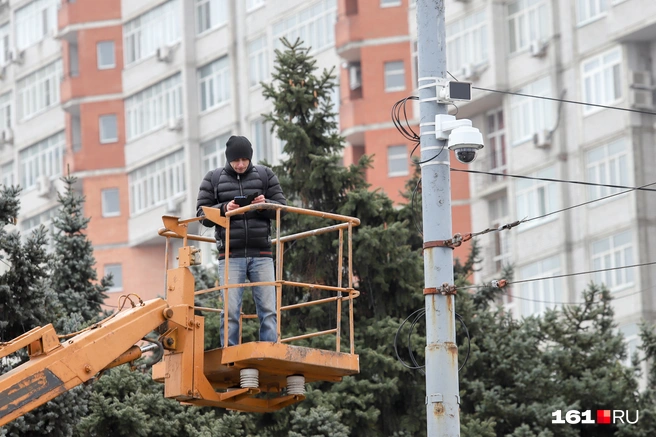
point(106, 230)
point(143, 270)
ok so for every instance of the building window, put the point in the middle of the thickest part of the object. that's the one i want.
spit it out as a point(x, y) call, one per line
point(496, 143)
point(537, 198)
point(41, 159)
point(34, 22)
point(7, 174)
point(212, 153)
point(5, 111)
point(261, 135)
point(143, 35)
point(111, 206)
point(39, 90)
point(607, 164)
point(632, 340)
point(211, 14)
point(4, 44)
point(466, 42)
point(397, 161)
point(611, 252)
point(530, 115)
point(257, 61)
point(528, 20)
point(73, 60)
point(214, 81)
point(314, 25)
point(253, 4)
point(389, 3)
point(589, 10)
point(394, 76)
point(31, 224)
point(116, 271)
point(538, 296)
point(152, 108)
point(601, 80)
point(108, 129)
point(155, 183)
point(106, 55)
point(500, 241)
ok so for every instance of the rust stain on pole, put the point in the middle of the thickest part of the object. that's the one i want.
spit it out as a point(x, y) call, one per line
point(438, 409)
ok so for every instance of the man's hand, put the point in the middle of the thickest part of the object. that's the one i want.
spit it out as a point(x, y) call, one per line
point(258, 199)
point(231, 206)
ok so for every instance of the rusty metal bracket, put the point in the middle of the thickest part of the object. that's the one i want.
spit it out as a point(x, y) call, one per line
point(445, 290)
point(454, 242)
point(499, 284)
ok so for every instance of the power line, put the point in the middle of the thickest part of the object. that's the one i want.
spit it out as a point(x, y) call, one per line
point(567, 181)
point(555, 99)
point(561, 100)
point(573, 303)
point(563, 275)
point(586, 203)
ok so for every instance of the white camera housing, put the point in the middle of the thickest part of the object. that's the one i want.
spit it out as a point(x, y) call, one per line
point(463, 139)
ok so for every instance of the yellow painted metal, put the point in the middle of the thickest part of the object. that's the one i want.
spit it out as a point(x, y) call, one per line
point(75, 361)
point(190, 374)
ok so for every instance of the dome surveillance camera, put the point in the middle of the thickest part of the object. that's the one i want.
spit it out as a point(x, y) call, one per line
point(465, 141)
point(466, 155)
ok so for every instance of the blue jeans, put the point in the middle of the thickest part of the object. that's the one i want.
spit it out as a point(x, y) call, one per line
point(258, 269)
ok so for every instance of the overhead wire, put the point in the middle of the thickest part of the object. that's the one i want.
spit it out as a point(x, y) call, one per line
point(561, 100)
point(564, 275)
point(586, 203)
point(565, 181)
point(573, 303)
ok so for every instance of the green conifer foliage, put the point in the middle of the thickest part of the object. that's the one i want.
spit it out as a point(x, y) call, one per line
point(74, 276)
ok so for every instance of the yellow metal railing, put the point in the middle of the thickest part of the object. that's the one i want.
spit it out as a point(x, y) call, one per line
point(176, 228)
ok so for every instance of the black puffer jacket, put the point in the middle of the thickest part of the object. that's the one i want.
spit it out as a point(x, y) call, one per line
point(250, 232)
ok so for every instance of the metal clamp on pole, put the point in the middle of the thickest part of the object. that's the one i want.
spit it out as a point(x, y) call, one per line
point(444, 290)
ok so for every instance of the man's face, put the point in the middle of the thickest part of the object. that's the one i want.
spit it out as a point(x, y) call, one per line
point(240, 165)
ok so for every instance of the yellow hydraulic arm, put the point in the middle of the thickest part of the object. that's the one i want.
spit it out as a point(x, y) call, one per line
point(56, 367)
point(254, 377)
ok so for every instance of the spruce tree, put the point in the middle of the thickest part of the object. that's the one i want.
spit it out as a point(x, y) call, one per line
point(24, 299)
point(74, 276)
point(381, 399)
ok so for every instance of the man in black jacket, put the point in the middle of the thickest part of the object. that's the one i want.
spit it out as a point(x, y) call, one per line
point(251, 256)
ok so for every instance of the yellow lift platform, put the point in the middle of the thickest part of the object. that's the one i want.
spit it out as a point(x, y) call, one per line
point(255, 377)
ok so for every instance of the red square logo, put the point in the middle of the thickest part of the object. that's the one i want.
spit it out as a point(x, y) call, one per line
point(603, 417)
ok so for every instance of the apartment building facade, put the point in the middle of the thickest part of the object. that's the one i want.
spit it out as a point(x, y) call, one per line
point(137, 100)
point(591, 51)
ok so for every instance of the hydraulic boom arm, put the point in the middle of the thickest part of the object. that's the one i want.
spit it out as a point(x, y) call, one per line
point(56, 367)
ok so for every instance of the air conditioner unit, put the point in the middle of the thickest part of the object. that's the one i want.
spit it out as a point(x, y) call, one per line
point(7, 136)
point(640, 79)
point(537, 48)
point(641, 99)
point(43, 185)
point(355, 76)
point(469, 72)
point(542, 139)
point(16, 56)
point(165, 54)
point(175, 124)
point(173, 205)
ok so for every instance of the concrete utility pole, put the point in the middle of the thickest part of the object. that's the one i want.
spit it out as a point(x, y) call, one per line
point(442, 388)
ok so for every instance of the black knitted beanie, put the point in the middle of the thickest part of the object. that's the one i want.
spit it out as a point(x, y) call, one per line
point(238, 147)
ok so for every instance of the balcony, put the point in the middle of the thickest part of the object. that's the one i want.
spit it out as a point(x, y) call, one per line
point(352, 119)
point(73, 13)
point(348, 31)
